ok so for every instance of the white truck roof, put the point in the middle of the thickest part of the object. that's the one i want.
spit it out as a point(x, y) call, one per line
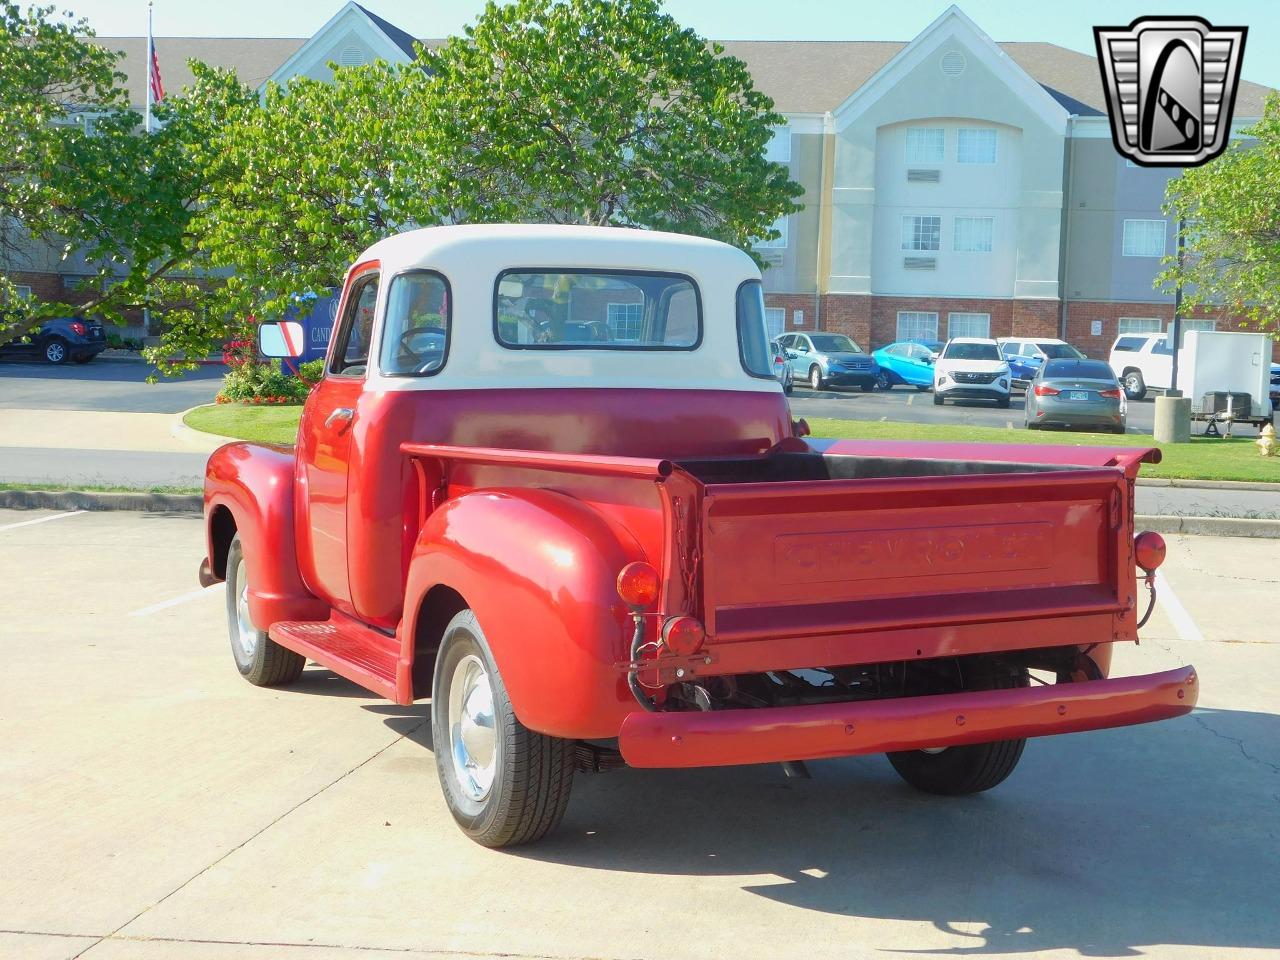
point(471, 257)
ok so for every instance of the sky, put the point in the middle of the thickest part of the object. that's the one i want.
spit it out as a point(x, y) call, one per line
point(1068, 24)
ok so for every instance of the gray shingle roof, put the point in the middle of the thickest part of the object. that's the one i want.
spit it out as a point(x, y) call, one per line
point(802, 76)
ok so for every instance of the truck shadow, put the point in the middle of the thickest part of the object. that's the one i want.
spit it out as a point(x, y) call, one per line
point(1102, 843)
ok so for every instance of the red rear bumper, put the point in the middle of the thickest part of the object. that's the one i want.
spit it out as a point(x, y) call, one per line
point(767, 735)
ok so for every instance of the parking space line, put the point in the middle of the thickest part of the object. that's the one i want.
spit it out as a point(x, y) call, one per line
point(1182, 622)
point(27, 523)
point(173, 601)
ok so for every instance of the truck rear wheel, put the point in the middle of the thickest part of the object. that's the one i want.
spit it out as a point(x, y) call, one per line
point(503, 783)
point(260, 660)
point(955, 771)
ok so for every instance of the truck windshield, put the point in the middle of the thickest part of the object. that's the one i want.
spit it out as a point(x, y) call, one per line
point(590, 310)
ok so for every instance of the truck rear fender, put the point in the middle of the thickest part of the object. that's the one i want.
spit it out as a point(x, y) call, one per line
point(539, 570)
point(248, 489)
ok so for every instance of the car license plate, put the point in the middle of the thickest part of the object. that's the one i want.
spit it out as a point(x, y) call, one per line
point(1078, 395)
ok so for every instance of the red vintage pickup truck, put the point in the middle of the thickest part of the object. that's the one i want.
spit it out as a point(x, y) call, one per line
point(549, 482)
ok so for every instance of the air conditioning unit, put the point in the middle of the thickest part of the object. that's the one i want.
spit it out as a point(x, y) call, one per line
point(919, 263)
point(924, 176)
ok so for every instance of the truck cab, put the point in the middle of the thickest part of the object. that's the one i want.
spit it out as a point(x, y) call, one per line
point(550, 482)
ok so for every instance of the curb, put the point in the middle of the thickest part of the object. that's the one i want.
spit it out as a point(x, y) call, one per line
point(1210, 484)
point(1210, 526)
point(195, 437)
point(101, 500)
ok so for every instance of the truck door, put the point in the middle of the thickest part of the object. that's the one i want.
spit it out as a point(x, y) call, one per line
point(324, 444)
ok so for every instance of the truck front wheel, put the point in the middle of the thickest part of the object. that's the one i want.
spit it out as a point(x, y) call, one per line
point(260, 660)
point(1135, 388)
point(955, 771)
point(503, 783)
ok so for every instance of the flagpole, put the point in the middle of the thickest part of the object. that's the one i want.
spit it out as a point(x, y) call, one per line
point(150, 59)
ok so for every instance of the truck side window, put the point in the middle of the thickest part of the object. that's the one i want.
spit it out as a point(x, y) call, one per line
point(753, 341)
point(356, 333)
point(415, 336)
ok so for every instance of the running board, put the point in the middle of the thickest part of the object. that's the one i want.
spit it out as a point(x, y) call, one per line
point(347, 647)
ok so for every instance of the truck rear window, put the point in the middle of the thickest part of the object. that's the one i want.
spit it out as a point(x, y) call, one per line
point(596, 310)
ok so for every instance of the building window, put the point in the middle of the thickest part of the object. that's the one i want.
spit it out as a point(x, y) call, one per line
point(775, 321)
point(973, 234)
point(780, 243)
point(22, 291)
point(975, 146)
point(925, 144)
point(1140, 325)
point(778, 150)
point(1143, 238)
point(625, 320)
point(968, 325)
point(914, 325)
point(921, 233)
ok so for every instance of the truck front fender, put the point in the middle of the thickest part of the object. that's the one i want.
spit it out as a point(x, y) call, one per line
point(248, 489)
point(539, 570)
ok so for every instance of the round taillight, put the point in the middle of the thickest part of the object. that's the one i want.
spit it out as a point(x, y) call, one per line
point(683, 636)
point(638, 584)
point(1148, 550)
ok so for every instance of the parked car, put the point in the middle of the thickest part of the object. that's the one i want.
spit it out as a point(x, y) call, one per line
point(1025, 355)
point(905, 362)
point(59, 340)
point(970, 368)
point(829, 359)
point(592, 555)
point(1075, 393)
point(781, 368)
point(1275, 387)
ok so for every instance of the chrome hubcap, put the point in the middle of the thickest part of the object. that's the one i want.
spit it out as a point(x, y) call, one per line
point(246, 633)
point(472, 735)
point(55, 352)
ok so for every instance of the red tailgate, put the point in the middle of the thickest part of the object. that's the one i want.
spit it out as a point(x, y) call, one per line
point(787, 559)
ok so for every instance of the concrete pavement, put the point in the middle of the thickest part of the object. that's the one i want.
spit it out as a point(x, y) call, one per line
point(154, 805)
point(111, 385)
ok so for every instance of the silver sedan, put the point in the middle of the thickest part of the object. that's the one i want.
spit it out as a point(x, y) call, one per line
point(1075, 393)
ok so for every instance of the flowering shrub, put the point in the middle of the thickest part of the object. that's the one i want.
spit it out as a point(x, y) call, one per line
point(248, 381)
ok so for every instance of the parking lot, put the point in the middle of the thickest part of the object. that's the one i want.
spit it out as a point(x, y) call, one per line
point(154, 805)
point(908, 405)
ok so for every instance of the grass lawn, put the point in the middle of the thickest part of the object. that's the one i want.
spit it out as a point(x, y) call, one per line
point(1203, 458)
point(95, 488)
point(244, 421)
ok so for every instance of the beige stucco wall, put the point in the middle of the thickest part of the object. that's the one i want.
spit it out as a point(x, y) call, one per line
point(797, 270)
point(980, 93)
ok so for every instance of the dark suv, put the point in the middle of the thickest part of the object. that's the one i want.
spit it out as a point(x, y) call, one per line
point(59, 340)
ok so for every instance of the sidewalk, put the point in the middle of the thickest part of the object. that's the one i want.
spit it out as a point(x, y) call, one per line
point(95, 448)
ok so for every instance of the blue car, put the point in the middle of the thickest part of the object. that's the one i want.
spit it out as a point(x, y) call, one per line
point(828, 359)
point(907, 362)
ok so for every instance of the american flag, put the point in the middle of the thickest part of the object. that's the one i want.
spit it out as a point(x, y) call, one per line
point(153, 76)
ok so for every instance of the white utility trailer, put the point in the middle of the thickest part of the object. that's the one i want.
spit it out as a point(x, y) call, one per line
point(1227, 377)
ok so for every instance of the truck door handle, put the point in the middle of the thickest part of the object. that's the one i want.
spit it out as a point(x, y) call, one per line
point(340, 415)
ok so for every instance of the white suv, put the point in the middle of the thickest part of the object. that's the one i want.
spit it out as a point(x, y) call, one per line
point(1142, 361)
point(970, 368)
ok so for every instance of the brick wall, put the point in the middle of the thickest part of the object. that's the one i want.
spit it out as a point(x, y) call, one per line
point(1081, 315)
point(873, 320)
point(806, 303)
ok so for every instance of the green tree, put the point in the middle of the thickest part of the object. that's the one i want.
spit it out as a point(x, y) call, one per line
point(1231, 211)
point(602, 112)
point(296, 184)
point(584, 111)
